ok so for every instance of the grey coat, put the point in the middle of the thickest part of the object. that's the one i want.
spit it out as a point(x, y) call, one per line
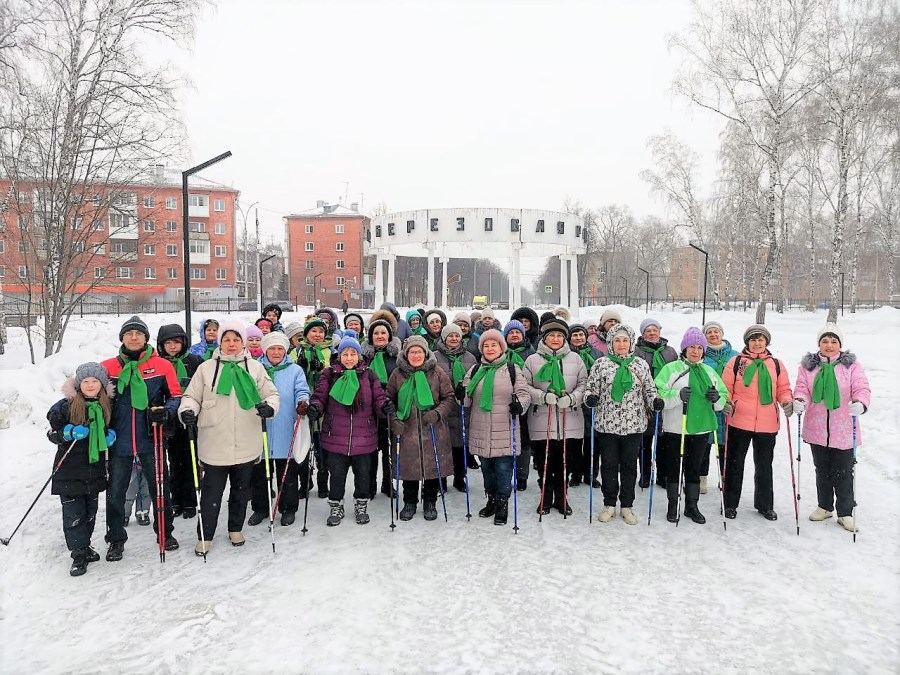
point(440, 353)
point(490, 432)
point(575, 376)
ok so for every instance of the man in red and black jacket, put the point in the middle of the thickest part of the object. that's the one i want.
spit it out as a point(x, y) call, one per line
point(147, 393)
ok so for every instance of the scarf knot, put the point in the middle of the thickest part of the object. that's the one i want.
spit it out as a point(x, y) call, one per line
point(132, 379)
point(825, 386)
point(551, 372)
point(234, 378)
point(485, 375)
point(345, 388)
point(623, 381)
point(457, 369)
point(763, 379)
point(414, 390)
point(700, 414)
point(97, 435)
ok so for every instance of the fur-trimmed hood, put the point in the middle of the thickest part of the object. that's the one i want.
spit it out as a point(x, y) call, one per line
point(812, 360)
point(430, 363)
point(68, 389)
point(392, 349)
point(385, 315)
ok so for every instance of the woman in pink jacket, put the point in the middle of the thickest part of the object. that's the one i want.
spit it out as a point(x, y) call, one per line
point(756, 381)
point(832, 389)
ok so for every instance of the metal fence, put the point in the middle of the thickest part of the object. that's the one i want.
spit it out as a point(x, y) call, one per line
point(17, 310)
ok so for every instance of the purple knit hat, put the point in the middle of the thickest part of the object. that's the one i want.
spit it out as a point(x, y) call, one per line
point(693, 336)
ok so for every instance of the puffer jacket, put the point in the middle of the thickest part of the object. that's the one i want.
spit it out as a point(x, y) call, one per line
point(391, 350)
point(598, 342)
point(292, 388)
point(490, 432)
point(668, 353)
point(226, 433)
point(669, 383)
point(416, 460)
point(832, 428)
point(628, 416)
point(202, 348)
point(403, 330)
point(349, 429)
point(533, 335)
point(443, 360)
point(575, 376)
point(749, 413)
point(717, 358)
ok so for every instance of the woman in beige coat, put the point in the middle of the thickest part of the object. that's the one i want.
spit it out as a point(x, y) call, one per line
point(224, 402)
point(495, 392)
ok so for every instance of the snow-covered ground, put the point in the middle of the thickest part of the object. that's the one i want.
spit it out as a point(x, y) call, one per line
point(559, 597)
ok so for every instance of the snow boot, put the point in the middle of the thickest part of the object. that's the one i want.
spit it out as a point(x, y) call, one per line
point(359, 508)
point(337, 513)
point(607, 513)
point(644, 482)
point(459, 482)
point(847, 523)
point(502, 512)
point(672, 512)
point(256, 518)
point(730, 513)
point(143, 517)
point(237, 539)
point(171, 543)
point(560, 500)
point(628, 516)
point(575, 480)
point(408, 511)
point(472, 461)
point(691, 497)
point(430, 509)
point(127, 518)
point(115, 551)
point(189, 512)
point(177, 510)
point(92, 555)
point(489, 509)
point(521, 484)
point(820, 514)
point(202, 548)
point(79, 562)
point(703, 485)
point(768, 514)
point(288, 518)
point(548, 503)
point(387, 489)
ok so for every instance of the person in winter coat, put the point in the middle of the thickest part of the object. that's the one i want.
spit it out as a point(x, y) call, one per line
point(209, 339)
point(581, 467)
point(171, 342)
point(486, 322)
point(147, 396)
point(423, 396)
point(293, 395)
point(79, 427)
point(223, 404)
point(254, 342)
point(692, 392)
point(756, 382)
point(718, 353)
point(313, 357)
point(621, 390)
point(137, 497)
point(435, 320)
point(456, 361)
point(529, 319)
point(474, 318)
point(556, 379)
point(414, 319)
point(330, 317)
point(349, 400)
point(518, 349)
point(264, 326)
point(403, 330)
point(354, 322)
point(380, 352)
point(608, 319)
point(272, 312)
point(294, 333)
point(833, 391)
point(462, 320)
point(496, 392)
point(655, 350)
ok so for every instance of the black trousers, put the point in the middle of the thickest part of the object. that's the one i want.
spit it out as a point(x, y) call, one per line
point(384, 450)
point(290, 496)
point(763, 453)
point(555, 476)
point(411, 491)
point(689, 464)
point(79, 513)
point(181, 478)
point(339, 465)
point(523, 442)
point(711, 450)
point(834, 479)
point(618, 457)
point(213, 488)
point(646, 456)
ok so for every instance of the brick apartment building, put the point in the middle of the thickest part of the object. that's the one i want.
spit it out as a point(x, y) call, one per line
point(128, 238)
point(325, 255)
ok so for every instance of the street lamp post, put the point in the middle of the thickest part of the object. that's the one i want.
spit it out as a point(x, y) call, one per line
point(316, 290)
point(186, 233)
point(625, 279)
point(705, 277)
point(264, 260)
point(648, 287)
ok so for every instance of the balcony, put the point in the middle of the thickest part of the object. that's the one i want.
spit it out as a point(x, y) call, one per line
point(199, 242)
point(198, 206)
point(123, 256)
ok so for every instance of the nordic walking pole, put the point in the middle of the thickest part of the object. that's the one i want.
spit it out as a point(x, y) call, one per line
point(853, 476)
point(462, 417)
point(390, 472)
point(437, 464)
point(62, 459)
point(546, 459)
point(515, 477)
point(591, 491)
point(159, 458)
point(643, 465)
point(681, 461)
point(799, 448)
point(787, 422)
point(721, 486)
point(286, 465)
point(265, 435)
point(653, 466)
point(311, 458)
point(192, 432)
point(396, 499)
point(565, 469)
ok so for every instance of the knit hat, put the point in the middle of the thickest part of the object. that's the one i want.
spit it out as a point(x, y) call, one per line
point(433, 315)
point(349, 341)
point(312, 323)
point(272, 307)
point(487, 313)
point(830, 329)
point(353, 315)
point(235, 326)
point(545, 316)
point(450, 329)
point(462, 316)
point(512, 324)
point(551, 323)
point(292, 329)
point(274, 339)
point(713, 324)
point(134, 323)
point(415, 341)
point(589, 323)
point(620, 329)
point(693, 336)
point(757, 329)
point(380, 322)
point(253, 331)
point(91, 369)
point(577, 328)
point(260, 320)
point(492, 334)
point(649, 321)
point(474, 316)
point(562, 313)
point(609, 314)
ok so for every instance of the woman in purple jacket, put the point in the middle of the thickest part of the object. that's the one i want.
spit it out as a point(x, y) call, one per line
point(832, 390)
point(349, 399)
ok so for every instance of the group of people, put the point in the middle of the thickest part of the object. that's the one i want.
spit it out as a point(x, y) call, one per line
point(592, 402)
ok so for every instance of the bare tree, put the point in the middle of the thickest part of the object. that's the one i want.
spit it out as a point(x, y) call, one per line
point(589, 216)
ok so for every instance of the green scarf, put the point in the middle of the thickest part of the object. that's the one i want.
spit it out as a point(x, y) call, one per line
point(415, 387)
point(623, 382)
point(700, 414)
point(486, 373)
point(180, 370)
point(763, 382)
point(233, 377)
point(719, 356)
point(825, 386)
point(207, 355)
point(131, 377)
point(585, 354)
point(515, 355)
point(345, 387)
point(658, 361)
point(271, 370)
point(552, 372)
point(97, 436)
point(458, 370)
point(379, 368)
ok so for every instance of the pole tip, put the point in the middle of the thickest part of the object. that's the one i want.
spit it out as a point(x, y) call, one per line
point(5, 542)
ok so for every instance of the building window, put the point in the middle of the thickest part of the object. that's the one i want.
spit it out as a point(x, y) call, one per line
point(540, 226)
point(96, 200)
point(149, 273)
point(172, 273)
point(99, 273)
point(309, 229)
point(124, 198)
point(171, 202)
point(119, 221)
point(309, 264)
point(24, 197)
point(2, 271)
point(339, 264)
point(149, 202)
point(149, 249)
point(198, 246)
point(488, 224)
point(98, 225)
point(309, 297)
point(198, 200)
point(171, 226)
point(309, 246)
point(197, 227)
point(220, 228)
point(220, 274)
point(77, 223)
point(339, 246)
point(339, 281)
point(123, 247)
point(21, 247)
point(77, 247)
point(339, 229)
point(124, 273)
point(219, 205)
point(171, 250)
point(23, 271)
point(198, 273)
point(149, 226)
point(220, 251)
point(3, 247)
point(99, 249)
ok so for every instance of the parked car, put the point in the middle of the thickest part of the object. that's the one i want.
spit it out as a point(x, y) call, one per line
point(248, 307)
point(286, 305)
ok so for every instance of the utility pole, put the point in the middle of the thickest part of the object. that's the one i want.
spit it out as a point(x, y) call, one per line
point(259, 294)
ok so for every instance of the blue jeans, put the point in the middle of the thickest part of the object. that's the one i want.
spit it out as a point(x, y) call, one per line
point(119, 478)
point(497, 472)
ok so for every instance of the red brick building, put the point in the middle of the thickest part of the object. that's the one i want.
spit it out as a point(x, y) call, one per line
point(127, 238)
point(325, 255)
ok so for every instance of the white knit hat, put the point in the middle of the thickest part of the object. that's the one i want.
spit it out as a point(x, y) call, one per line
point(830, 329)
point(275, 339)
point(235, 326)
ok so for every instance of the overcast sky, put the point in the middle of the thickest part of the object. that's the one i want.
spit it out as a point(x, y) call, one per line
point(430, 103)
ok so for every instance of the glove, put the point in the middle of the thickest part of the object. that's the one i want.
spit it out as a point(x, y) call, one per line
point(712, 395)
point(431, 417)
point(388, 409)
point(264, 410)
point(729, 408)
point(788, 407)
point(317, 366)
point(460, 392)
point(303, 362)
point(302, 407)
point(189, 418)
point(685, 394)
point(75, 433)
point(515, 408)
point(550, 398)
point(313, 412)
point(564, 401)
point(397, 427)
point(159, 415)
point(591, 400)
point(658, 404)
point(799, 406)
point(110, 438)
point(856, 408)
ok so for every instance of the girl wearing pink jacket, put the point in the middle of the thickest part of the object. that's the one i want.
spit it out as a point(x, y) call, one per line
point(832, 390)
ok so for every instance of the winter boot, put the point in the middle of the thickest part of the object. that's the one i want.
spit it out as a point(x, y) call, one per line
point(768, 514)
point(115, 551)
point(489, 509)
point(189, 512)
point(820, 514)
point(628, 516)
point(547, 505)
point(521, 484)
point(237, 539)
point(672, 512)
point(127, 518)
point(847, 523)
point(177, 510)
point(287, 518)
point(502, 512)
point(337, 513)
point(92, 555)
point(362, 517)
point(607, 513)
point(563, 505)
point(387, 489)
point(171, 543)
point(256, 518)
point(472, 461)
point(202, 548)
point(143, 517)
point(408, 511)
point(79, 562)
point(691, 497)
point(459, 482)
point(644, 482)
point(575, 480)
point(703, 487)
point(430, 509)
